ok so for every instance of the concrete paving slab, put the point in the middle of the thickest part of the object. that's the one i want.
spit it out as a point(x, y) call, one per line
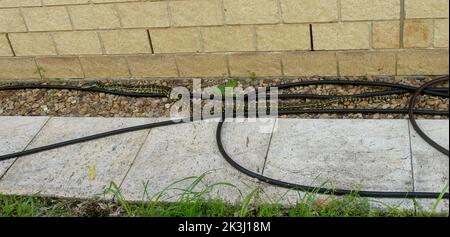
point(174, 153)
point(356, 154)
point(431, 168)
point(81, 170)
point(16, 132)
point(352, 154)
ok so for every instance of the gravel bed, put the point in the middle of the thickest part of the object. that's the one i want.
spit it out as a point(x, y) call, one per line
point(90, 104)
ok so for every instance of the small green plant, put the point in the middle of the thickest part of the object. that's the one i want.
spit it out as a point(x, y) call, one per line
point(433, 212)
point(18, 206)
point(192, 197)
point(229, 84)
point(252, 75)
point(245, 206)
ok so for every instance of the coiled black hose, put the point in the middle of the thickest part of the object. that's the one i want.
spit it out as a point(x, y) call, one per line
point(433, 91)
point(443, 92)
point(412, 118)
point(305, 188)
point(400, 89)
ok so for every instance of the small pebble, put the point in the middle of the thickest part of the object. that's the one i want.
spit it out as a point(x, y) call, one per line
point(90, 104)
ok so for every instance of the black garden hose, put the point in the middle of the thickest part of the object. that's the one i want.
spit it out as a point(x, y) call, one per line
point(433, 91)
point(79, 88)
point(412, 119)
point(173, 122)
point(271, 181)
point(305, 188)
point(443, 92)
point(400, 89)
point(86, 139)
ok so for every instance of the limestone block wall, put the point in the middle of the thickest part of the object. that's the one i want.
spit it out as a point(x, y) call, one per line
point(216, 38)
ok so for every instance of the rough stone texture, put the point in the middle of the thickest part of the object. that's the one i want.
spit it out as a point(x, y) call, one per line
point(175, 40)
point(202, 65)
point(94, 17)
point(196, 13)
point(222, 39)
point(47, 19)
point(285, 37)
point(18, 68)
point(426, 9)
point(60, 103)
point(11, 21)
point(397, 130)
point(125, 41)
point(260, 64)
point(15, 135)
point(174, 153)
point(431, 168)
point(336, 154)
point(68, 171)
point(417, 33)
point(137, 27)
point(152, 66)
point(350, 35)
point(61, 2)
point(20, 3)
point(251, 11)
point(107, 1)
point(5, 49)
point(144, 14)
point(386, 35)
point(441, 35)
point(338, 170)
point(420, 62)
point(77, 43)
point(423, 62)
point(361, 154)
point(428, 206)
point(295, 11)
point(366, 63)
point(309, 64)
point(28, 44)
point(105, 67)
point(370, 10)
point(60, 67)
